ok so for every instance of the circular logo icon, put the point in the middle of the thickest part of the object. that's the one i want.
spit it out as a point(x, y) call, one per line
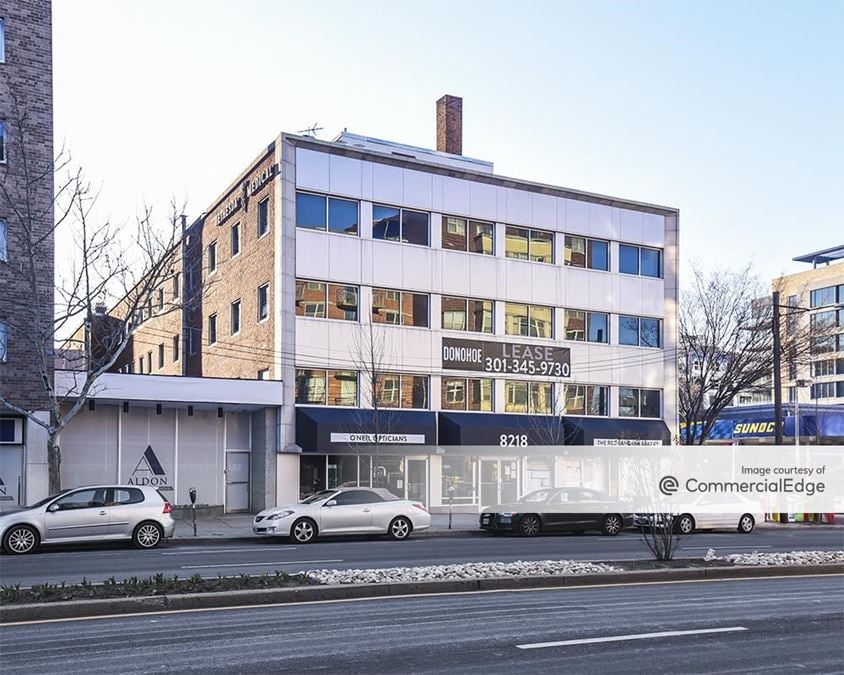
point(668, 485)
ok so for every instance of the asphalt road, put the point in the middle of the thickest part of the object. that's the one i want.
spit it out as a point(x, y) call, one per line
point(735, 626)
point(68, 564)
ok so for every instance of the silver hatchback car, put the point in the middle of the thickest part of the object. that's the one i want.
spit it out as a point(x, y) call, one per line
point(90, 514)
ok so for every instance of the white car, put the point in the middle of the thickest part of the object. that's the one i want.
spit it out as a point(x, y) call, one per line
point(712, 511)
point(90, 514)
point(344, 511)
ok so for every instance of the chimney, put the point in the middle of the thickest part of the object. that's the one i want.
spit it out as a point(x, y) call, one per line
point(450, 125)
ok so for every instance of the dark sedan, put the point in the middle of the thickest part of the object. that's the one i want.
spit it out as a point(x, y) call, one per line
point(559, 510)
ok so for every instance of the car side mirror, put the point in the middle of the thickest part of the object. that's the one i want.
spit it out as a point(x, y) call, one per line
point(332, 502)
point(52, 508)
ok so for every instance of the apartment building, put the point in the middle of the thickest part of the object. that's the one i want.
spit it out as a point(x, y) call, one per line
point(437, 327)
point(26, 242)
point(817, 296)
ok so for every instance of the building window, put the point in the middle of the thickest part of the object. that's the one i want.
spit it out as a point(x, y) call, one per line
point(528, 320)
point(319, 300)
point(401, 391)
point(2, 41)
point(826, 390)
point(2, 142)
point(315, 212)
point(634, 402)
point(400, 308)
point(529, 397)
point(235, 317)
point(161, 356)
point(822, 321)
point(821, 297)
point(646, 262)
point(464, 314)
point(194, 335)
point(4, 341)
point(263, 302)
point(526, 244)
point(264, 374)
point(212, 329)
point(823, 344)
point(462, 234)
point(149, 362)
point(590, 253)
point(460, 393)
point(263, 217)
point(212, 257)
point(395, 224)
point(176, 283)
point(4, 241)
point(639, 331)
point(584, 326)
point(235, 235)
point(332, 387)
point(160, 299)
point(175, 348)
point(587, 399)
point(140, 365)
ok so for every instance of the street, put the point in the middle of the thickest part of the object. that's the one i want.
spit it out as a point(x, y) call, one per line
point(96, 563)
point(734, 626)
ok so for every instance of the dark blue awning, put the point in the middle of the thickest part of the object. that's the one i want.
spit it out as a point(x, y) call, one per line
point(352, 430)
point(456, 428)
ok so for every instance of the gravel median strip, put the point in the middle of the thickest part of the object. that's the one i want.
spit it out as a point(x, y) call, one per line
point(776, 559)
point(520, 568)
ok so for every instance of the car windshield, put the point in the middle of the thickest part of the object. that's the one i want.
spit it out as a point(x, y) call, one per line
point(318, 496)
point(46, 499)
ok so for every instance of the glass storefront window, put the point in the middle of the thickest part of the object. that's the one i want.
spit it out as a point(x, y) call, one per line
point(458, 473)
point(342, 471)
point(312, 474)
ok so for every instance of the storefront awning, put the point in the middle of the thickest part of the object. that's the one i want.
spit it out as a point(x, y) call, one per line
point(536, 430)
point(353, 430)
point(589, 430)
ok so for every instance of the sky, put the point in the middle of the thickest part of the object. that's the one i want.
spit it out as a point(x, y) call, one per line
point(731, 112)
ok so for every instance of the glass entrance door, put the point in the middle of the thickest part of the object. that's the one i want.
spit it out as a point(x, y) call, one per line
point(499, 481)
point(417, 480)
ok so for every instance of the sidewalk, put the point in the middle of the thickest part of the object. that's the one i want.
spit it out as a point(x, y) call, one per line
point(239, 526)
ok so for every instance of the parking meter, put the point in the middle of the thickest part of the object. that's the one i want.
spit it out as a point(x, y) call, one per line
point(451, 491)
point(192, 495)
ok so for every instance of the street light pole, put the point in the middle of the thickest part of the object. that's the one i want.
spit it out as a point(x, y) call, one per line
point(777, 370)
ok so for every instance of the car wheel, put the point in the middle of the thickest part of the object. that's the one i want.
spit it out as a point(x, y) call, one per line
point(746, 524)
point(21, 539)
point(400, 528)
point(611, 524)
point(685, 524)
point(303, 531)
point(147, 535)
point(530, 526)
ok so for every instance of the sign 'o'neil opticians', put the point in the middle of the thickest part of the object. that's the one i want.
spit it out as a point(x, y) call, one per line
point(506, 357)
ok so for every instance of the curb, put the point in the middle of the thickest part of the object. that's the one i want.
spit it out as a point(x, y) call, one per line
point(257, 597)
point(251, 539)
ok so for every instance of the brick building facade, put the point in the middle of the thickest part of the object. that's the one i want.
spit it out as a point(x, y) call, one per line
point(26, 241)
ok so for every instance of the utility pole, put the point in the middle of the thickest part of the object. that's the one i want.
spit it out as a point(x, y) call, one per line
point(775, 324)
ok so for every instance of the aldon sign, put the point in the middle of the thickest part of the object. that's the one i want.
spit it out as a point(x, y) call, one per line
point(506, 357)
point(249, 188)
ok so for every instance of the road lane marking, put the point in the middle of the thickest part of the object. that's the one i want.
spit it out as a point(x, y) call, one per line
point(636, 636)
point(227, 550)
point(403, 596)
point(277, 562)
point(702, 548)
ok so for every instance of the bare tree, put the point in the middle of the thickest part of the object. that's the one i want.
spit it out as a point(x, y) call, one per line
point(726, 346)
point(370, 349)
point(106, 264)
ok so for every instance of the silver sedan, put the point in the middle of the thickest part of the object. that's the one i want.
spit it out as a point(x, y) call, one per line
point(344, 511)
point(90, 514)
